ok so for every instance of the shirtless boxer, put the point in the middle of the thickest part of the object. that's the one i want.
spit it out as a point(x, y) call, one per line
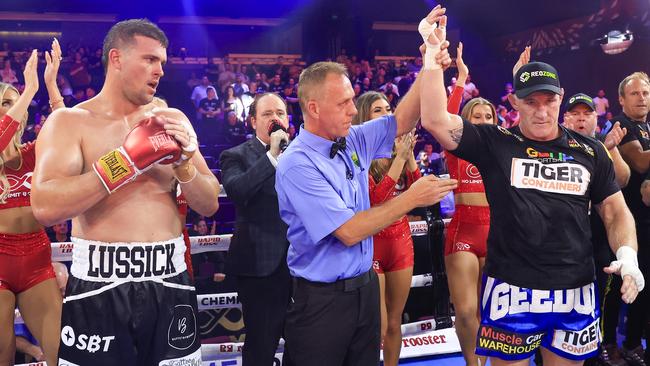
point(129, 300)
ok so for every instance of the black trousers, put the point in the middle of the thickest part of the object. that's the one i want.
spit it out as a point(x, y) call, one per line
point(638, 313)
point(611, 308)
point(331, 324)
point(264, 305)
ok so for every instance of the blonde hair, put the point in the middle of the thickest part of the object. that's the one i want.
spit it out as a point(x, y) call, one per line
point(313, 77)
point(640, 75)
point(466, 113)
point(4, 182)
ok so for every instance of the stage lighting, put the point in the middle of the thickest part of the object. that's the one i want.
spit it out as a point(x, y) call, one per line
point(616, 42)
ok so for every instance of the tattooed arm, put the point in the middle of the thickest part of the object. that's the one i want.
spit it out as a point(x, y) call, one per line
point(446, 128)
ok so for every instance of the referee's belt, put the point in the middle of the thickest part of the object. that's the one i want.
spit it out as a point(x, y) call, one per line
point(346, 285)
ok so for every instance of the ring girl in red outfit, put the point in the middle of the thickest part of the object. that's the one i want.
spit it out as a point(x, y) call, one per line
point(466, 238)
point(26, 275)
point(393, 246)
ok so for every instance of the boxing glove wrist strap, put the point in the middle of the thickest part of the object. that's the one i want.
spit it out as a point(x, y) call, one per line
point(115, 169)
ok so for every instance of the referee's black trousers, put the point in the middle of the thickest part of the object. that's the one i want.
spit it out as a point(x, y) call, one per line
point(332, 324)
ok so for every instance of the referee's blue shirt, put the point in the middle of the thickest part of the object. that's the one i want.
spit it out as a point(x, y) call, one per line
point(317, 195)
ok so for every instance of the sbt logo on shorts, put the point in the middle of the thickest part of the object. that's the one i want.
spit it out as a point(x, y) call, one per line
point(579, 342)
point(83, 342)
point(563, 178)
point(509, 299)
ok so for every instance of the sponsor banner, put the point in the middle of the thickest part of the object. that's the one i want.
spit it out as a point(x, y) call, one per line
point(423, 280)
point(563, 178)
point(210, 243)
point(435, 342)
point(229, 350)
point(218, 301)
point(418, 228)
point(237, 361)
point(62, 252)
point(418, 327)
point(425, 343)
point(193, 359)
point(506, 342)
point(579, 342)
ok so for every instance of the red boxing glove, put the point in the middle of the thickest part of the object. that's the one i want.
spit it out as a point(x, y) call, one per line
point(146, 145)
point(8, 128)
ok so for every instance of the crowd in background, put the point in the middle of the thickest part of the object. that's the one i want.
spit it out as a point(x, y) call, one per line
point(220, 96)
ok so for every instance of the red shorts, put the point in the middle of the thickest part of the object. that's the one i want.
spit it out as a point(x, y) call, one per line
point(468, 230)
point(392, 253)
point(25, 261)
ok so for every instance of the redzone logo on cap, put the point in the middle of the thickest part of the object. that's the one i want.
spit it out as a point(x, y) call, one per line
point(525, 75)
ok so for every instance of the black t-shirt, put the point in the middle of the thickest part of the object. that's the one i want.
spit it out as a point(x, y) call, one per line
point(209, 105)
point(235, 134)
point(278, 89)
point(539, 195)
point(636, 131)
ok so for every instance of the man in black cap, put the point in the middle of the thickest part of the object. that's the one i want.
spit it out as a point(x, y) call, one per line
point(540, 178)
point(581, 117)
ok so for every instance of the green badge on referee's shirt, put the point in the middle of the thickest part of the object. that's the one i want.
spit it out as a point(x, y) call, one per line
point(355, 159)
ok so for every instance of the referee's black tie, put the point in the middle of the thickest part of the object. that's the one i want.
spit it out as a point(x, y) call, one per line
point(337, 145)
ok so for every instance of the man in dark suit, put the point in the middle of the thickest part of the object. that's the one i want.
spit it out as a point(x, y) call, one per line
point(258, 251)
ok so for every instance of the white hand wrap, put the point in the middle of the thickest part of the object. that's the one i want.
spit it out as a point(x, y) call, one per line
point(426, 29)
point(627, 264)
point(188, 151)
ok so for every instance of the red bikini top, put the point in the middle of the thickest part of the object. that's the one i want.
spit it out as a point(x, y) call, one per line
point(20, 180)
point(468, 176)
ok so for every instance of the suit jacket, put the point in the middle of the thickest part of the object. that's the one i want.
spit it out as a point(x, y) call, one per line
point(259, 244)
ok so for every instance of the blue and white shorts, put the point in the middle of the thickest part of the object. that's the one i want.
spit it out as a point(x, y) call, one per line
point(516, 321)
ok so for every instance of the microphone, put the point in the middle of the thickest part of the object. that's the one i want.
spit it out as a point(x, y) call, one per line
point(275, 126)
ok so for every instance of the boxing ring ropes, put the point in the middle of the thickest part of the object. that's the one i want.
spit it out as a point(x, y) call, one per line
point(421, 338)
